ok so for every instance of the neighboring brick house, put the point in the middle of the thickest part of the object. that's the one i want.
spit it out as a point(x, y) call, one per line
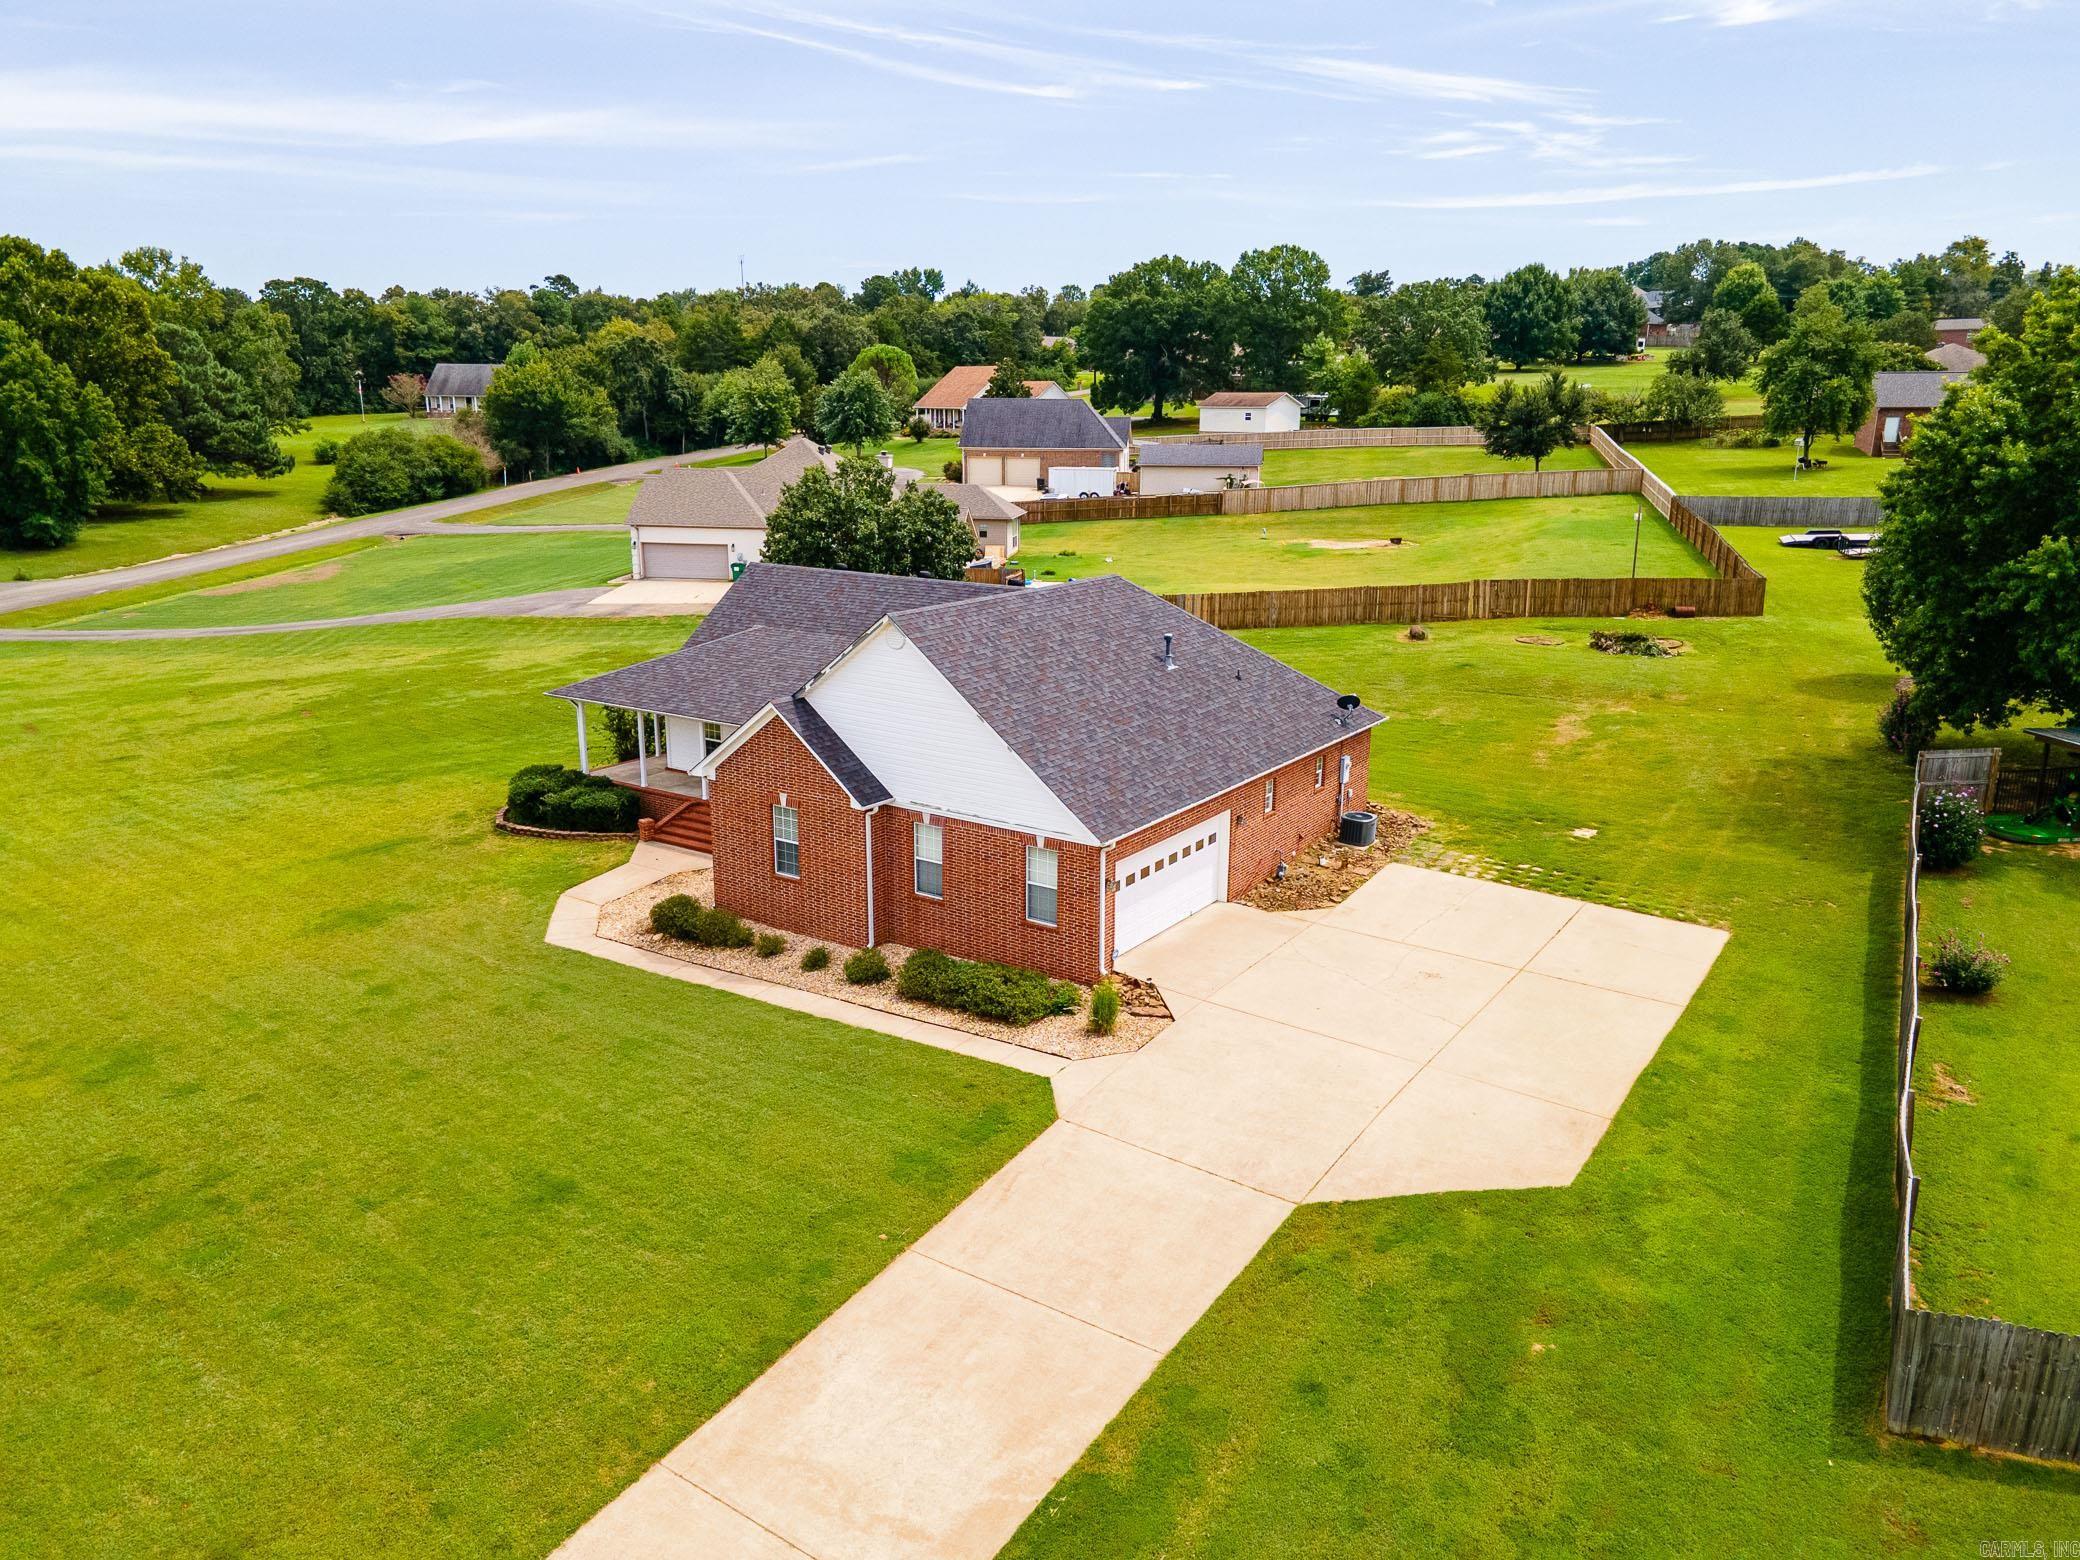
point(457, 387)
point(945, 403)
point(1043, 777)
point(1023, 444)
point(1958, 331)
point(1896, 400)
point(1658, 332)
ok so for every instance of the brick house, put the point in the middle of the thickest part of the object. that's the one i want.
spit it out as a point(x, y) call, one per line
point(1958, 330)
point(1896, 400)
point(1023, 444)
point(1043, 777)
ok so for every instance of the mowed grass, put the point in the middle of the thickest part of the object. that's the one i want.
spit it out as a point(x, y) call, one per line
point(1526, 538)
point(1683, 1351)
point(1632, 376)
point(1699, 466)
point(344, 1215)
point(1283, 467)
point(597, 503)
point(386, 576)
point(1997, 1231)
point(232, 509)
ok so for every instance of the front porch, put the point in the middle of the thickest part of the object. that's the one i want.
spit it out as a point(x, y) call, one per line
point(650, 774)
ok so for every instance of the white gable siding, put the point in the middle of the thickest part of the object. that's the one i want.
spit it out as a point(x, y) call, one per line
point(1281, 416)
point(928, 746)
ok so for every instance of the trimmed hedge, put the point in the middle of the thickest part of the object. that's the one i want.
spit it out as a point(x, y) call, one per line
point(682, 916)
point(549, 796)
point(1003, 993)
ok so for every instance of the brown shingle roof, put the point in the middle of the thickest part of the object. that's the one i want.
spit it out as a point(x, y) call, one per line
point(1246, 398)
point(729, 497)
point(1958, 359)
point(957, 387)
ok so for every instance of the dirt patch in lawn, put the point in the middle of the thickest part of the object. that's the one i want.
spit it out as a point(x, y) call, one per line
point(627, 920)
point(1322, 873)
point(1328, 544)
point(1945, 1089)
point(1545, 641)
point(309, 575)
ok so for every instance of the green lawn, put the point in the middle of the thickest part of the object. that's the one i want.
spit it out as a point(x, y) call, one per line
point(597, 503)
point(1683, 1351)
point(344, 1216)
point(386, 576)
point(929, 457)
point(1699, 466)
point(1490, 539)
point(1998, 1231)
point(1450, 460)
point(1634, 376)
point(233, 509)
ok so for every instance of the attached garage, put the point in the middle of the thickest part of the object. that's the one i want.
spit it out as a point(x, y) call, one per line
point(1022, 471)
point(985, 470)
point(683, 560)
point(1172, 879)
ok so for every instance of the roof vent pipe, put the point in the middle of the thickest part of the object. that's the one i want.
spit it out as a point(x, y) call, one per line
point(1169, 660)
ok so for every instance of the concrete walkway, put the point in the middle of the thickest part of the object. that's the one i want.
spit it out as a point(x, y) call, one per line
point(931, 1412)
point(17, 595)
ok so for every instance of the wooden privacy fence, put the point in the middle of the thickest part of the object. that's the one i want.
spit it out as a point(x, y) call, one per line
point(1468, 600)
point(1669, 432)
point(1790, 511)
point(1715, 549)
point(1613, 454)
point(1327, 438)
point(1961, 1378)
point(1364, 492)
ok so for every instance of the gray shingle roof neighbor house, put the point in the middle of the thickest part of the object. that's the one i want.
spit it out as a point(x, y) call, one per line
point(471, 379)
point(976, 502)
point(1007, 423)
point(1225, 455)
point(1955, 358)
point(1912, 391)
point(726, 497)
point(1960, 322)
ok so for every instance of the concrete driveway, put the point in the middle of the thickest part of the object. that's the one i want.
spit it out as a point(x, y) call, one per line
point(1430, 1033)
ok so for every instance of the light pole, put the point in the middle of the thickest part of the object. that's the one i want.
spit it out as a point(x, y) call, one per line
point(1632, 596)
point(359, 399)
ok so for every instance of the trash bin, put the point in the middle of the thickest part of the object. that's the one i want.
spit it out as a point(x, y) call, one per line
point(736, 570)
point(1359, 828)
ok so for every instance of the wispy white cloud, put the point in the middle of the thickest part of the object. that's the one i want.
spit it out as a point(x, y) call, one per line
point(1018, 198)
point(1614, 193)
point(855, 164)
point(1379, 78)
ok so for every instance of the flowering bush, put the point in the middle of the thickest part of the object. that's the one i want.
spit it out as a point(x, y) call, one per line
point(1951, 829)
point(1966, 966)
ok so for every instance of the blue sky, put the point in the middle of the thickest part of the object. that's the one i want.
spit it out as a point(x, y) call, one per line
point(645, 144)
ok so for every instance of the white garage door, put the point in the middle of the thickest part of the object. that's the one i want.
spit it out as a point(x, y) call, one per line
point(1160, 886)
point(1022, 471)
point(986, 470)
point(685, 560)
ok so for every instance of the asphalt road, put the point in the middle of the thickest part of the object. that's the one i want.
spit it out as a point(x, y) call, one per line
point(16, 595)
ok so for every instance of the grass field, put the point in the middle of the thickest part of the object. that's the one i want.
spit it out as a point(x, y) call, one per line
point(1683, 1351)
point(386, 576)
point(1634, 376)
point(597, 503)
point(233, 509)
point(1698, 466)
point(344, 1216)
point(1282, 467)
point(1998, 1230)
point(1491, 539)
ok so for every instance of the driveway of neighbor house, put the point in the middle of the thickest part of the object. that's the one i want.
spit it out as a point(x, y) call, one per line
point(1430, 1033)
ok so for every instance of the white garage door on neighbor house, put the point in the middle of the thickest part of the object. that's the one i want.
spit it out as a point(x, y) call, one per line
point(1160, 886)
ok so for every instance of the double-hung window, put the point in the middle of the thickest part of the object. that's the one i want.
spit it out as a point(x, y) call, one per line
point(787, 842)
point(711, 736)
point(1270, 794)
point(1040, 885)
point(928, 860)
point(1321, 769)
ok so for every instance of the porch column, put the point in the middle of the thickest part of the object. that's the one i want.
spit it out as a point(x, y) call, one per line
point(584, 768)
point(642, 749)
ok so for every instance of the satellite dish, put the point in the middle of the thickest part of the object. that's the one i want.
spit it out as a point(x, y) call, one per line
point(1347, 701)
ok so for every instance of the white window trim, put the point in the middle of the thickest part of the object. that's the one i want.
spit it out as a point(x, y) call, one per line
point(1321, 770)
point(1054, 888)
point(918, 858)
point(795, 816)
point(1270, 795)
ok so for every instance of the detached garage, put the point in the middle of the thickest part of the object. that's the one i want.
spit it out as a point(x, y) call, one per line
point(679, 559)
point(1199, 468)
point(696, 522)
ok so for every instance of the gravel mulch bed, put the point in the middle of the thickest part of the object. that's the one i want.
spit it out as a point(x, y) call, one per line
point(1323, 873)
point(627, 920)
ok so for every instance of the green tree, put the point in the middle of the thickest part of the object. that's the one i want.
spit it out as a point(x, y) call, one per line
point(215, 412)
point(542, 416)
point(1689, 400)
point(633, 364)
point(1529, 422)
point(388, 468)
point(1747, 293)
point(1431, 335)
point(1722, 348)
point(1531, 315)
point(858, 518)
point(756, 405)
point(1911, 326)
point(52, 433)
point(1159, 332)
point(1818, 378)
point(1976, 592)
point(1282, 299)
point(1610, 313)
point(895, 371)
point(1008, 382)
point(853, 409)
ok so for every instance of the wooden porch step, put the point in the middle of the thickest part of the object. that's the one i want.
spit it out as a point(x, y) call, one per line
point(689, 828)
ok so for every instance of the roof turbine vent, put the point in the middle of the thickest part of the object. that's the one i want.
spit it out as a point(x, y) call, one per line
point(1169, 660)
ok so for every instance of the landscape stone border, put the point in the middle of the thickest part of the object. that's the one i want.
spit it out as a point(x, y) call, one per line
point(505, 825)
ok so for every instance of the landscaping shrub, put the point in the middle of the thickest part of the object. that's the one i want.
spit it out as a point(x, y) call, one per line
point(1951, 829)
point(1904, 726)
point(951, 471)
point(717, 928)
point(1003, 993)
point(768, 944)
point(1627, 641)
point(324, 452)
point(866, 968)
point(1104, 1008)
point(675, 916)
point(1966, 966)
point(817, 958)
point(388, 468)
point(549, 796)
point(919, 429)
point(1406, 408)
